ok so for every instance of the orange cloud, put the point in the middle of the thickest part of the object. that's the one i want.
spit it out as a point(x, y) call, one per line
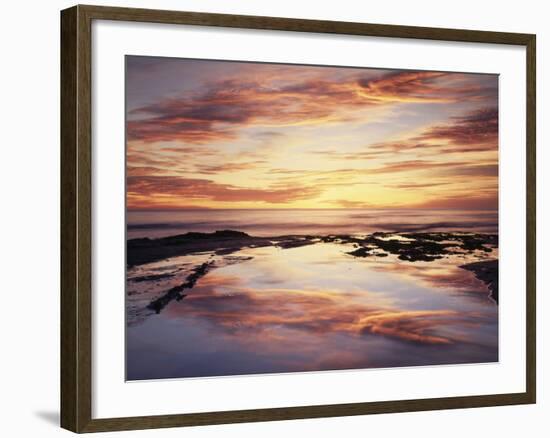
point(143, 170)
point(255, 107)
point(229, 167)
point(413, 165)
point(421, 86)
point(217, 113)
point(147, 191)
point(474, 129)
point(406, 86)
point(225, 106)
point(416, 186)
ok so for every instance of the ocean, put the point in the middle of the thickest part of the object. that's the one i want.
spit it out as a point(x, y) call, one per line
point(280, 222)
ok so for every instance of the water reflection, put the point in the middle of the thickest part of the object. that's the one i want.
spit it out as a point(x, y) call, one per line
point(308, 308)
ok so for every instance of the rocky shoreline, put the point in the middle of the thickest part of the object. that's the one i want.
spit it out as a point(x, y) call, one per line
point(408, 247)
point(145, 250)
point(486, 271)
point(175, 293)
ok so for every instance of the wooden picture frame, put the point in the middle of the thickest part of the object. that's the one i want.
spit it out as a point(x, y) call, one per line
point(76, 217)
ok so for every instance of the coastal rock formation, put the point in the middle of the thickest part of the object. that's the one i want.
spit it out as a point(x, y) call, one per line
point(175, 293)
point(408, 247)
point(486, 271)
point(145, 250)
point(424, 247)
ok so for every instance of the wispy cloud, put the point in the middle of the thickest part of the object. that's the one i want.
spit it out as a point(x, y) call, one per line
point(414, 165)
point(422, 86)
point(217, 112)
point(229, 167)
point(163, 189)
point(469, 132)
point(476, 131)
point(252, 135)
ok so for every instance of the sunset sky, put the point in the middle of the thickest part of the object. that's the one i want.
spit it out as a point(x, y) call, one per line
point(218, 134)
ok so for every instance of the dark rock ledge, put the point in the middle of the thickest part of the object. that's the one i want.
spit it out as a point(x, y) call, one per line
point(486, 271)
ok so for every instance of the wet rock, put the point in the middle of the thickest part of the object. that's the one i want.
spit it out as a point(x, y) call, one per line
point(141, 251)
point(362, 252)
point(153, 277)
point(486, 271)
point(175, 293)
point(424, 247)
point(294, 243)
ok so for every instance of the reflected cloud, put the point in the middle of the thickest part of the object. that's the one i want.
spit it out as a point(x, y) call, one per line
point(311, 308)
point(410, 326)
point(442, 275)
point(229, 305)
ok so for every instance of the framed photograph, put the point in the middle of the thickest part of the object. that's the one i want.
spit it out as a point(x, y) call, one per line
point(270, 218)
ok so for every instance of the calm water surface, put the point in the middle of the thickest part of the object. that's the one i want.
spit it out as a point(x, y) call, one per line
point(273, 310)
point(333, 221)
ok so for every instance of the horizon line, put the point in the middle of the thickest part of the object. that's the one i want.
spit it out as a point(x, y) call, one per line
point(312, 208)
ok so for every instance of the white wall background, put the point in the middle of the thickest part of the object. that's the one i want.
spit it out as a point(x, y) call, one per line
point(29, 219)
